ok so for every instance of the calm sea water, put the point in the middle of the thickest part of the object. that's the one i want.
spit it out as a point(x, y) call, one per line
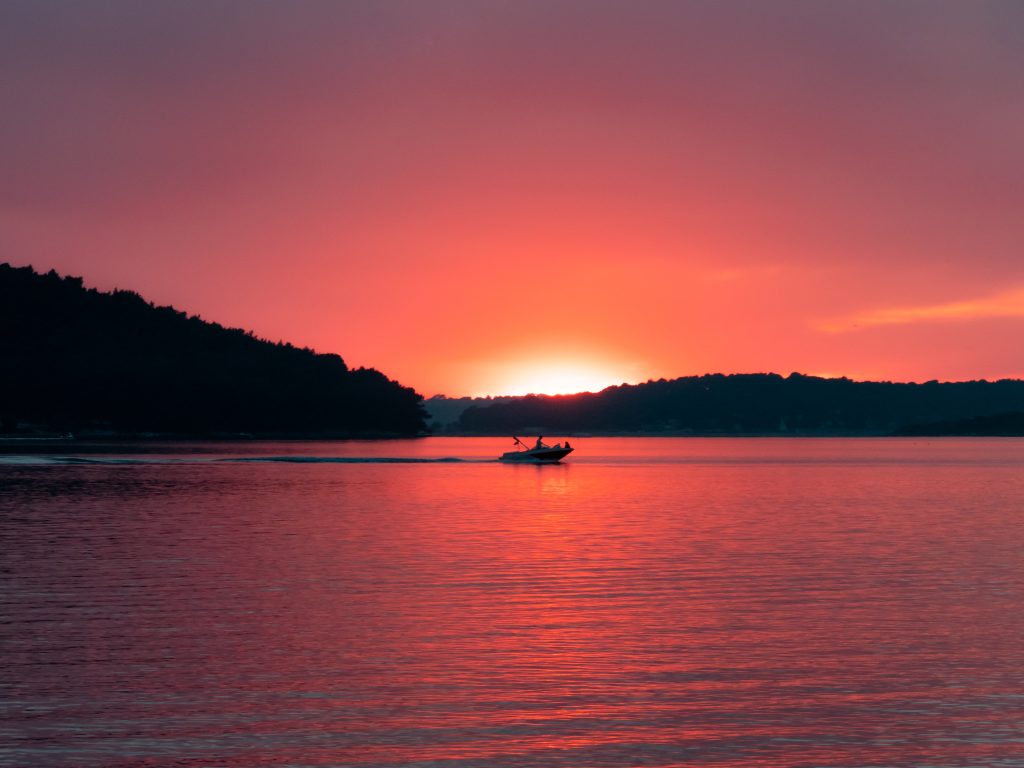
point(651, 602)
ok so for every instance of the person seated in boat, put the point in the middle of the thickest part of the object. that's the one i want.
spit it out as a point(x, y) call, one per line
point(567, 446)
point(540, 443)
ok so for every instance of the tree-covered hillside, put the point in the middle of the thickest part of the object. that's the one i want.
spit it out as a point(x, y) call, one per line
point(74, 358)
point(750, 403)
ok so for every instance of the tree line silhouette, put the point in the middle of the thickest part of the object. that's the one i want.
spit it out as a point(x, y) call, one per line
point(762, 404)
point(73, 358)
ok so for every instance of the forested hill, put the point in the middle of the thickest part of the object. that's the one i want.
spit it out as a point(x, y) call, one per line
point(754, 404)
point(73, 358)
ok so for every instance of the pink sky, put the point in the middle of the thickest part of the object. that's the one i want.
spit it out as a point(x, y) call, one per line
point(491, 197)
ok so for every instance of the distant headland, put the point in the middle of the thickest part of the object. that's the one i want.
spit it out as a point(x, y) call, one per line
point(78, 360)
point(748, 404)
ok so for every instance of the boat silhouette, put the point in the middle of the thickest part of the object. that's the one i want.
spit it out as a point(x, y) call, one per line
point(538, 454)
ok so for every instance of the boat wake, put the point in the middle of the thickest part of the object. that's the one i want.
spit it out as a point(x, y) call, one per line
point(145, 460)
point(354, 460)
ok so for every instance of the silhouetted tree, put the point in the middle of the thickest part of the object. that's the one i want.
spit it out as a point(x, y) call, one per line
point(750, 403)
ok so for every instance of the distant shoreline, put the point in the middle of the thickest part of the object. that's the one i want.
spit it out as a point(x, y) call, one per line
point(10, 443)
point(168, 437)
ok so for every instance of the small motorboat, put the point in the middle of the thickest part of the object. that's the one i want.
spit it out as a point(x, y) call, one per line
point(538, 454)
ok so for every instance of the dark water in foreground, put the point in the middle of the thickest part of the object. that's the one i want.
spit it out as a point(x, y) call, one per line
point(653, 602)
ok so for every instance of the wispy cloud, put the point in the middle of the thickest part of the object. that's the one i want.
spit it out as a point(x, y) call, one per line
point(1005, 304)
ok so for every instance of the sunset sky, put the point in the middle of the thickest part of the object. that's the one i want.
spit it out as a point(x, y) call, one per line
point(499, 197)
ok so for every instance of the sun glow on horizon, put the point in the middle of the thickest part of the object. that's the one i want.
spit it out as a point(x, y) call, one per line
point(556, 378)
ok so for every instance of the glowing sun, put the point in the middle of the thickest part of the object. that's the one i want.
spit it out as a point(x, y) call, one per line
point(557, 379)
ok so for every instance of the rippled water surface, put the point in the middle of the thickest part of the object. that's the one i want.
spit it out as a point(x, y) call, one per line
point(651, 602)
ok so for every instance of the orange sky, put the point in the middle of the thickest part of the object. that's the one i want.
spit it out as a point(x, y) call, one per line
point(487, 197)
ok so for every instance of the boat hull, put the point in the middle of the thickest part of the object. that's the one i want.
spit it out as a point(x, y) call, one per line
point(537, 456)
